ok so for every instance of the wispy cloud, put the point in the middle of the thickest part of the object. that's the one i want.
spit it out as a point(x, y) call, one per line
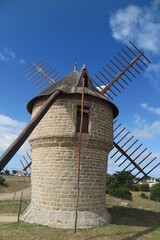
point(141, 24)
point(145, 130)
point(151, 109)
point(9, 131)
point(7, 54)
point(153, 73)
point(3, 58)
point(22, 62)
point(10, 53)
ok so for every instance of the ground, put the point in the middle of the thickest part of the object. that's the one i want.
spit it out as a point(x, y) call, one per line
point(13, 184)
point(131, 220)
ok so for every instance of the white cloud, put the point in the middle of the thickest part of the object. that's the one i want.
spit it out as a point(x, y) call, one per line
point(139, 24)
point(9, 131)
point(144, 130)
point(6, 55)
point(156, 4)
point(153, 73)
point(22, 62)
point(9, 53)
point(150, 109)
point(3, 58)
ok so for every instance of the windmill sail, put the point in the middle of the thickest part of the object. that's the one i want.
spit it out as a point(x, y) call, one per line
point(127, 152)
point(26, 159)
point(42, 75)
point(113, 78)
point(117, 74)
point(14, 147)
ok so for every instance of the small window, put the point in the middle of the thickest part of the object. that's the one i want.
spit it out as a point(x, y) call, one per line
point(86, 81)
point(85, 119)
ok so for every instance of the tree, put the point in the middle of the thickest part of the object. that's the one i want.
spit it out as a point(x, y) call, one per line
point(110, 182)
point(122, 193)
point(155, 192)
point(123, 179)
point(6, 172)
point(144, 187)
point(1, 179)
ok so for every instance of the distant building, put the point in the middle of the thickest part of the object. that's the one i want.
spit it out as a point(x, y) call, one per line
point(152, 181)
point(18, 173)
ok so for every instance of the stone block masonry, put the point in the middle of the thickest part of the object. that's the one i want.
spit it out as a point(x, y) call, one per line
point(54, 144)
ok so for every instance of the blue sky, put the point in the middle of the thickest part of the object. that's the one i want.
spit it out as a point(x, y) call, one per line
point(93, 31)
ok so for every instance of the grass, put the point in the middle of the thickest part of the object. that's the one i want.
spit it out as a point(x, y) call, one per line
point(14, 184)
point(139, 219)
point(128, 223)
point(138, 202)
point(8, 207)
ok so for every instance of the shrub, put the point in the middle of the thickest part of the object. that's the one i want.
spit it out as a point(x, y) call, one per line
point(123, 179)
point(122, 193)
point(1, 179)
point(155, 192)
point(143, 195)
point(134, 188)
point(144, 187)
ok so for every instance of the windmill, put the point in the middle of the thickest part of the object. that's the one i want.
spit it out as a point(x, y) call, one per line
point(60, 120)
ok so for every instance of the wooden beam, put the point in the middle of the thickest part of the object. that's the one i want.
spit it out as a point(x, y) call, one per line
point(129, 158)
point(107, 87)
point(28, 166)
point(14, 147)
point(24, 167)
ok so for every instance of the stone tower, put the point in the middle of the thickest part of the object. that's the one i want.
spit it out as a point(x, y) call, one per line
point(54, 144)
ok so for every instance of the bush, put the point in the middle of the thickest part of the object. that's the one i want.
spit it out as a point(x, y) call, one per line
point(134, 188)
point(1, 179)
point(155, 192)
point(122, 193)
point(144, 187)
point(143, 195)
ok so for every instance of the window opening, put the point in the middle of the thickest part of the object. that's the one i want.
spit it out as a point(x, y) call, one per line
point(85, 119)
point(85, 80)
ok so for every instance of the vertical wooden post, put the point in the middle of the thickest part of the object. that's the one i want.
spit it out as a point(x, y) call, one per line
point(79, 151)
point(20, 204)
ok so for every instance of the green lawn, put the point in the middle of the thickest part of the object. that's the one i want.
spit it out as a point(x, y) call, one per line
point(11, 206)
point(139, 219)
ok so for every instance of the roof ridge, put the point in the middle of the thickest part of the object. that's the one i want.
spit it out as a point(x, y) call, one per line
point(80, 73)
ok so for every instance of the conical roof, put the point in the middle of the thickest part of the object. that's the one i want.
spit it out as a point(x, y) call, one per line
point(72, 84)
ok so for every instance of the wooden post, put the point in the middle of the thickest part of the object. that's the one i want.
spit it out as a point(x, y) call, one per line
point(20, 204)
point(14, 195)
point(79, 151)
point(9, 153)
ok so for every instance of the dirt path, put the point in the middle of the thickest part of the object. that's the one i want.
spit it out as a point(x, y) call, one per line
point(8, 219)
point(16, 195)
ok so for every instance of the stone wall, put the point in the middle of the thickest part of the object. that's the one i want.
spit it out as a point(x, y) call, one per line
point(54, 144)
